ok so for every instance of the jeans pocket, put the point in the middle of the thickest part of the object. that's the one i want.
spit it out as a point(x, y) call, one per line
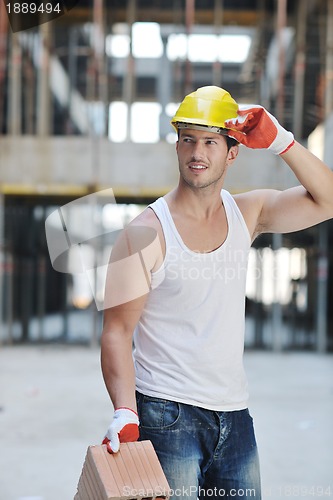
point(157, 413)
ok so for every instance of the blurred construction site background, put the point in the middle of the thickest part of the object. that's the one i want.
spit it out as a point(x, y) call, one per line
point(85, 107)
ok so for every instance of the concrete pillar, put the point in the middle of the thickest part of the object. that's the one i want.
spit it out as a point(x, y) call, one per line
point(322, 278)
point(129, 77)
point(43, 108)
point(218, 24)
point(276, 306)
point(329, 60)
point(302, 10)
point(260, 67)
point(322, 263)
point(15, 87)
point(2, 260)
point(3, 59)
point(99, 57)
point(258, 304)
point(164, 86)
point(72, 73)
point(281, 24)
point(3, 62)
point(29, 90)
point(189, 21)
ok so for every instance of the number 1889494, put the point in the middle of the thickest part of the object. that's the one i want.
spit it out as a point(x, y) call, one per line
point(33, 8)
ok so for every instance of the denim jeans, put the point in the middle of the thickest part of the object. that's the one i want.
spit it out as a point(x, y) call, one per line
point(204, 453)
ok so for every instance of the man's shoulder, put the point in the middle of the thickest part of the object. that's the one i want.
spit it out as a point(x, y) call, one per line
point(146, 218)
point(147, 226)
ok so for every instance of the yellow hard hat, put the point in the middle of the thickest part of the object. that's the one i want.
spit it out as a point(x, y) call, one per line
point(208, 106)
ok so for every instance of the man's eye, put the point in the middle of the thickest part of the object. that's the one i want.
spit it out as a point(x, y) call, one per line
point(211, 142)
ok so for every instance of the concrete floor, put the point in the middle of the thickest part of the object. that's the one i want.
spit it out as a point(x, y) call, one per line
point(53, 405)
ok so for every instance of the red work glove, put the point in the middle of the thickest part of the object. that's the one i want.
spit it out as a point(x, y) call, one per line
point(256, 128)
point(123, 429)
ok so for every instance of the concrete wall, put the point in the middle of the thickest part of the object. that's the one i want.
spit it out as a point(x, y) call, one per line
point(65, 164)
point(328, 141)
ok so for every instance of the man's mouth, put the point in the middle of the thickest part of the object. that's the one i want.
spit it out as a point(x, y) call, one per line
point(197, 167)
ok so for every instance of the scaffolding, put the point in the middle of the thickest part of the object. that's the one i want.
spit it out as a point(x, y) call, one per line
point(59, 80)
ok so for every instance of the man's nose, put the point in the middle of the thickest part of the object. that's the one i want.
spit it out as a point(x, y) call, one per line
point(198, 151)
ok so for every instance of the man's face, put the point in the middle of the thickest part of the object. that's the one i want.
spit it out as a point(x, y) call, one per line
point(203, 157)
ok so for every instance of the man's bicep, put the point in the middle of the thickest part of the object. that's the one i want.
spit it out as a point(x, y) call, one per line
point(129, 270)
point(121, 320)
point(286, 211)
point(127, 280)
point(127, 285)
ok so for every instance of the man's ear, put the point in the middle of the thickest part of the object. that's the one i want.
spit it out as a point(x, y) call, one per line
point(232, 154)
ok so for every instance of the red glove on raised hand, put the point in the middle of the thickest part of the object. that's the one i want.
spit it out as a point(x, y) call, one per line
point(256, 128)
point(123, 429)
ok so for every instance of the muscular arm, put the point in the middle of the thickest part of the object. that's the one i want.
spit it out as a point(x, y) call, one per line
point(136, 253)
point(303, 206)
point(292, 209)
point(116, 352)
point(273, 211)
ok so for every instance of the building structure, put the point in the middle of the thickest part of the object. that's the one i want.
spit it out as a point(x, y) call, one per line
point(85, 105)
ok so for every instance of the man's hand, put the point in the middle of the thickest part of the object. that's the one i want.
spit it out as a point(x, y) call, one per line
point(256, 128)
point(123, 429)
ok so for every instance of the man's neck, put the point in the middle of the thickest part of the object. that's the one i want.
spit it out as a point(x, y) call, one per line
point(202, 203)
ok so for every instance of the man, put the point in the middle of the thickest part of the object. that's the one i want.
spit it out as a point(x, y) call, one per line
point(185, 382)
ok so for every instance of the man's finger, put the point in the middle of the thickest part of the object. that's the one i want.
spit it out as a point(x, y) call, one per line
point(239, 136)
point(111, 446)
point(234, 122)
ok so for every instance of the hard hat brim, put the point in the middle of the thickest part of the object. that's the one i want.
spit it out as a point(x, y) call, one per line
point(195, 126)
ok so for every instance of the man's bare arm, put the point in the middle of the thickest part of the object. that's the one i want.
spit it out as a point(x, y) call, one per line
point(137, 252)
point(292, 209)
point(302, 206)
point(116, 352)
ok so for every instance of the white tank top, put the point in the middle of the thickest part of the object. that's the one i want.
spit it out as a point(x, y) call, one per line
point(190, 338)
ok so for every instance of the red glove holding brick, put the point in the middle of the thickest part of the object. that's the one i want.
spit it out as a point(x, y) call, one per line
point(123, 429)
point(256, 128)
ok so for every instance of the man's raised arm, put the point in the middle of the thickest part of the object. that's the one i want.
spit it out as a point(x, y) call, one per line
point(295, 208)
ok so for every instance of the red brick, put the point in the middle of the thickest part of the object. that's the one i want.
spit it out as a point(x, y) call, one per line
point(133, 473)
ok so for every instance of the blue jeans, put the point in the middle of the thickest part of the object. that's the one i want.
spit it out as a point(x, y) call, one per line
point(204, 453)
